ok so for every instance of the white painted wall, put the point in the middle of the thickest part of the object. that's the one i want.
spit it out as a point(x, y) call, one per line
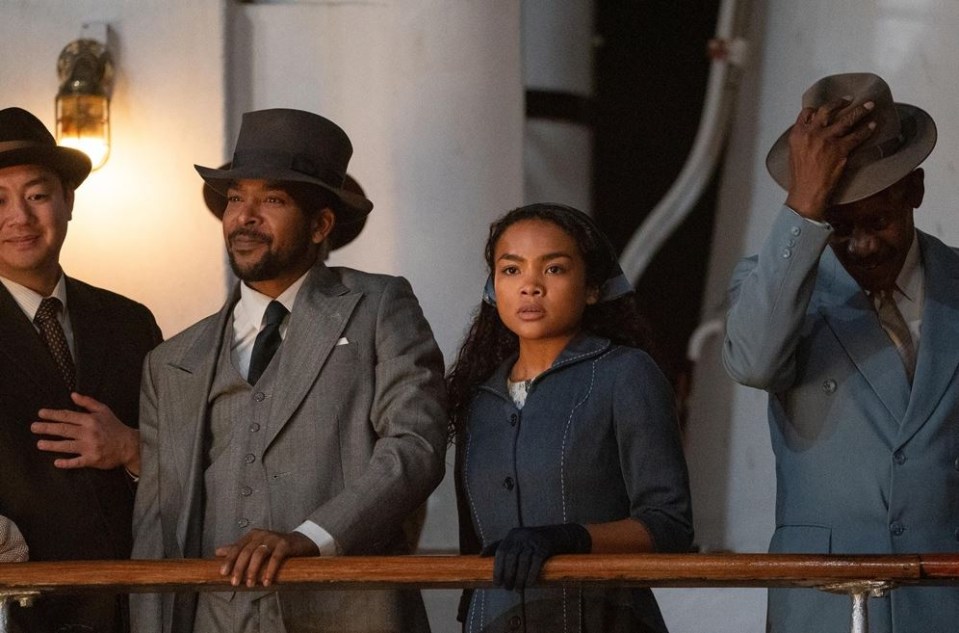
point(558, 56)
point(139, 225)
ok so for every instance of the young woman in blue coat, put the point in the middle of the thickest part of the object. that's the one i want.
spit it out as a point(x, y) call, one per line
point(565, 429)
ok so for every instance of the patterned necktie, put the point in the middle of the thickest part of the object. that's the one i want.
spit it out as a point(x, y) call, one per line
point(52, 334)
point(895, 326)
point(267, 341)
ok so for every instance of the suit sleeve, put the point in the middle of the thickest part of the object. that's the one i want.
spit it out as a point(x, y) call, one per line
point(768, 297)
point(146, 609)
point(651, 454)
point(408, 415)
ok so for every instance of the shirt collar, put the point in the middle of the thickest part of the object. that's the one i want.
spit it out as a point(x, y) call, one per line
point(29, 300)
point(252, 305)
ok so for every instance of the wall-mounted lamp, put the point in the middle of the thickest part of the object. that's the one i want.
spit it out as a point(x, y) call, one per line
point(85, 68)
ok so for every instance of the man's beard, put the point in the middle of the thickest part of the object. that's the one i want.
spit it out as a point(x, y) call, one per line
point(272, 264)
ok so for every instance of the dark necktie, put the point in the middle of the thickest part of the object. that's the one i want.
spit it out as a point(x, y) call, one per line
point(267, 341)
point(896, 328)
point(52, 334)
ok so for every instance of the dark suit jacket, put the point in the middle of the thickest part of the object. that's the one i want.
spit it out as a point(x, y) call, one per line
point(82, 514)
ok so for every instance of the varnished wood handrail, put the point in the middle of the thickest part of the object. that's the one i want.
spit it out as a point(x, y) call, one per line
point(655, 570)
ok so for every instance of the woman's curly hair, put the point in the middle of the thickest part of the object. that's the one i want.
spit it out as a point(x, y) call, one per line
point(489, 342)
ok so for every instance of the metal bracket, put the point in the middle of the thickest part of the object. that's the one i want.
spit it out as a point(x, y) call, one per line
point(860, 591)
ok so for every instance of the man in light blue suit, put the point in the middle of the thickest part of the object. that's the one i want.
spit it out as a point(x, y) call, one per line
point(858, 347)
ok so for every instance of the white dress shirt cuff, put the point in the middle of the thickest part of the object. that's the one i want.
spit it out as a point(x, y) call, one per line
point(820, 223)
point(324, 542)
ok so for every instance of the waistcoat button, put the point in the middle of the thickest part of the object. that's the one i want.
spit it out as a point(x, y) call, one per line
point(508, 483)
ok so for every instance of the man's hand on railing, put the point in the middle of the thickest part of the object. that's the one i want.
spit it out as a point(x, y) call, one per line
point(245, 559)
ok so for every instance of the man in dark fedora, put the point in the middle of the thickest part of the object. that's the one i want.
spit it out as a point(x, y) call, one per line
point(71, 357)
point(305, 418)
point(849, 318)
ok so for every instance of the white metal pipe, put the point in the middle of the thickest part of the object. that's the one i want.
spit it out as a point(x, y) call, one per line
point(676, 205)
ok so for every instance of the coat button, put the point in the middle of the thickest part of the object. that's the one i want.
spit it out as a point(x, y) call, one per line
point(956, 534)
point(955, 464)
point(787, 253)
point(513, 419)
point(899, 457)
point(246, 491)
point(259, 396)
point(254, 427)
point(515, 622)
point(795, 230)
point(508, 483)
point(242, 523)
point(829, 386)
point(250, 458)
point(897, 528)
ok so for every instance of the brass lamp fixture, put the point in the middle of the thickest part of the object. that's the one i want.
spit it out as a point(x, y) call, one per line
point(85, 68)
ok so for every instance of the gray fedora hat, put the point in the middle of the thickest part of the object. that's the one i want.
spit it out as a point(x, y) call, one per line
point(24, 140)
point(903, 137)
point(292, 146)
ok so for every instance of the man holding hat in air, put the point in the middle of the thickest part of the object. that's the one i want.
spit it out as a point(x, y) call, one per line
point(71, 357)
point(305, 418)
point(849, 318)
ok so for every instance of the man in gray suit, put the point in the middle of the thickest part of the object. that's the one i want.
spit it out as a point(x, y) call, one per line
point(305, 418)
point(863, 402)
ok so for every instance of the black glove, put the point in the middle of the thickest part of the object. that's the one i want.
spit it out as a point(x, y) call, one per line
point(520, 556)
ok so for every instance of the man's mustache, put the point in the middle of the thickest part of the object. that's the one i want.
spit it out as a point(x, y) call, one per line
point(250, 234)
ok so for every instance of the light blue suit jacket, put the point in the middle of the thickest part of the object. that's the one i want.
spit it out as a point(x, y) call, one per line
point(864, 464)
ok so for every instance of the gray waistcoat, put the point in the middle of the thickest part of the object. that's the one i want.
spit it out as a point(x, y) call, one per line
point(235, 488)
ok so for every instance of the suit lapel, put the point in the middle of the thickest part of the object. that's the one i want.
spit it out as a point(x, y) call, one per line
point(322, 309)
point(191, 383)
point(850, 315)
point(22, 349)
point(91, 342)
point(938, 355)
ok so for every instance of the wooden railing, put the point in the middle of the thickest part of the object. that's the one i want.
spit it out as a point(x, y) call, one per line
point(858, 576)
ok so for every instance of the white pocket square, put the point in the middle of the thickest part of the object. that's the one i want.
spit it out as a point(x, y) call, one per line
point(342, 341)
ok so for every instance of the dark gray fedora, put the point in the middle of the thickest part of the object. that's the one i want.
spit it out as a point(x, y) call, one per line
point(903, 137)
point(24, 140)
point(286, 145)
